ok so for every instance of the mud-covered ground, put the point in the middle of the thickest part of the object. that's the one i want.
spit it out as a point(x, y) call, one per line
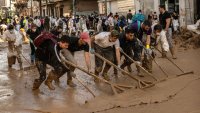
point(175, 95)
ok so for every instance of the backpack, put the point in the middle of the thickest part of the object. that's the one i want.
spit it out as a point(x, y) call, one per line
point(138, 17)
point(43, 37)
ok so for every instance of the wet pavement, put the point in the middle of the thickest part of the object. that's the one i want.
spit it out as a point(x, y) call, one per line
point(16, 93)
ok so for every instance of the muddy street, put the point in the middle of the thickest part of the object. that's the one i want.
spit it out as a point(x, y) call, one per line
point(175, 95)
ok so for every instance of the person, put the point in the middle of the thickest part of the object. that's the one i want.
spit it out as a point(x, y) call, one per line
point(57, 31)
point(175, 21)
point(129, 17)
point(14, 39)
point(47, 23)
point(77, 44)
point(160, 37)
point(131, 46)
point(102, 44)
point(47, 52)
point(155, 16)
point(111, 22)
point(165, 21)
point(142, 30)
point(33, 33)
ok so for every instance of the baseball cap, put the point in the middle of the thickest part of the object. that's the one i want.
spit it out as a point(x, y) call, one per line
point(85, 36)
point(115, 33)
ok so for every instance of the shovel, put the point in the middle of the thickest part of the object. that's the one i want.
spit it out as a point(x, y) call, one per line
point(183, 72)
point(141, 84)
point(115, 87)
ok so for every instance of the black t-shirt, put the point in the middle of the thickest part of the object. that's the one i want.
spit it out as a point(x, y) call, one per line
point(74, 46)
point(162, 19)
point(32, 34)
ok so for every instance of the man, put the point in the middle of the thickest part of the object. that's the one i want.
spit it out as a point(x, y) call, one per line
point(111, 22)
point(103, 44)
point(47, 52)
point(165, 21)
point(160, 37)
point(33, 33)
point(129, 17)
point(131, 46)
point(14, 39)
point(77, 44)
point(142, 30)
point(57, 31)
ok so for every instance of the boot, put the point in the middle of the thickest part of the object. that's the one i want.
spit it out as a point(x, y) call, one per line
point(122, 67)
point(105, 76)
point(71, 83)
point(129, 68)
point(97, 74)
point(21, 66)
point(36, 84)
point(115, 71)
point(57, 81)
point(173, 53)
point(32, 59)
point(71, 74)
point(139, 71)
point(49, 80)
point(164, 54)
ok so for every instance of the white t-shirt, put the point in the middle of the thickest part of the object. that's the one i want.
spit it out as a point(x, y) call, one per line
point(111, 21)
point(102, 39)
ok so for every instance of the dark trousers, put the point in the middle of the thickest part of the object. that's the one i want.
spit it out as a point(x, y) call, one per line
point(106, 53)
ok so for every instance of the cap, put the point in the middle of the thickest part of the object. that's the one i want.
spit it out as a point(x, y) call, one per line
point(85, 36)
point(114, 33)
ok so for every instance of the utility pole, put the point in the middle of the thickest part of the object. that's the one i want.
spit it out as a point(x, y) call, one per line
point(106, 7)
point(74, 12)
point(40, 5)
point(10, 7)
point(32, 8)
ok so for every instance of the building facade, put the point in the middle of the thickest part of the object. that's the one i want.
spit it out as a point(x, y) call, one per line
point(116, 6)
point(59, 8)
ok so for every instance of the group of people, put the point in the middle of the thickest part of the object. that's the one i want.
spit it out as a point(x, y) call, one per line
point(134, 37)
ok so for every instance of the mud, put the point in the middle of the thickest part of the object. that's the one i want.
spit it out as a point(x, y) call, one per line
point(187, 39)
point(180, 93)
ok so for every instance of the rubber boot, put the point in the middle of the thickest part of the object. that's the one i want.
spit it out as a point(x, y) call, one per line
point(173, 53)
point(106, 77)
point(33, 59)
point(20, 66)
point(36, 84)
point(129, 68)
point(164, 54)
point(49, 80)
point(97, 74)
point(115, 71)
point(11, 61)
point(71, 83)
point(139, 71)
point(57, 81)
point(122, 67)
point(69, 79)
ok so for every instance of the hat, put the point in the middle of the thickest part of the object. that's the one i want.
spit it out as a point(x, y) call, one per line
point(85, 36)
point(114, 33)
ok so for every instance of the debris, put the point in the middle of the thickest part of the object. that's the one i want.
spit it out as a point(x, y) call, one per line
point(187, 39)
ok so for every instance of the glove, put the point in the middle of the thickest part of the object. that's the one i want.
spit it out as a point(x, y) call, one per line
point(92, 51)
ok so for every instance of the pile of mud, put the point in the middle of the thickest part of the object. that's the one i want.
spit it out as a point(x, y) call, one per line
point(187, 39)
